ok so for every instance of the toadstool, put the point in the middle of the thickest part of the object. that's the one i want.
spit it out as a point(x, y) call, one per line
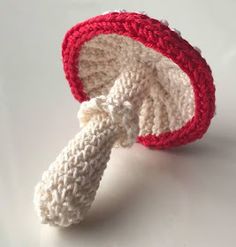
point(137, 80)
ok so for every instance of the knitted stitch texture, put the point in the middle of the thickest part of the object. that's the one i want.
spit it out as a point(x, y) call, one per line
point(69, 186)
point(160, 38)
point(170, 103)
point(145, 82)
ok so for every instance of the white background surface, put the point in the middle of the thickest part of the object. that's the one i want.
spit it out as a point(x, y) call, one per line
point(183, 197)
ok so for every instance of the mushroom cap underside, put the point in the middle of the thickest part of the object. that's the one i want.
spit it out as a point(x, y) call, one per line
point(180, 103)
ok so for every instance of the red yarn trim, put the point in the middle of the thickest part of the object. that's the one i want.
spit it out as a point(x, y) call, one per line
point(159, 37)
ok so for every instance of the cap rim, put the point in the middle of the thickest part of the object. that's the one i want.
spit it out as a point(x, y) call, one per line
point(153, 34)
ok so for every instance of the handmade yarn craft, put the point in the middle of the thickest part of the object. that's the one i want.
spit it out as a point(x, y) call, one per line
point(138, 80)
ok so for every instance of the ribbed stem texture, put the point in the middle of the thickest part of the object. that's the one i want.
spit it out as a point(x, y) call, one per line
point(69, 186)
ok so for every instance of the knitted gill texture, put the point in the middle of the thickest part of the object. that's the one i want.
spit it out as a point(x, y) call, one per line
point(69, 186)
point(170, 103)
point(160, 38)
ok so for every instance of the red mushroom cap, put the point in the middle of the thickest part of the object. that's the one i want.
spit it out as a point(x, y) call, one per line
point(158, 37)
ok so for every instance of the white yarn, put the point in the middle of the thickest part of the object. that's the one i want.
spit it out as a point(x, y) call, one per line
point(122, 114)
point(68, 187)
point(104, 57)
point(135, 91)
point(165, 22)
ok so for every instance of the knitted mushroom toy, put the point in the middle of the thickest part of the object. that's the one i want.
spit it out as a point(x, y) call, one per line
point(139, 81)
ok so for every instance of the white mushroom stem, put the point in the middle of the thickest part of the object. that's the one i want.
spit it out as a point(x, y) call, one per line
point(68, 187)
